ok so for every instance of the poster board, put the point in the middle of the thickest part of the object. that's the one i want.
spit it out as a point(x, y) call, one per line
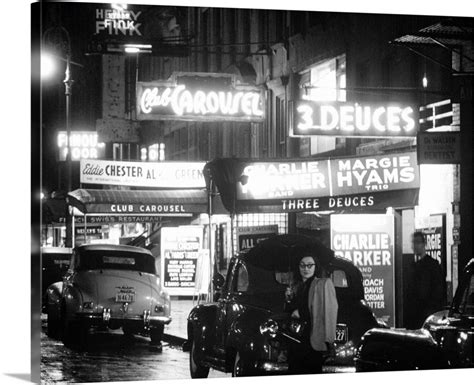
point(180, 250)
point(368, 240)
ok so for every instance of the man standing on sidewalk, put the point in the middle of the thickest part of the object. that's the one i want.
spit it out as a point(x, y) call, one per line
point(429, 284)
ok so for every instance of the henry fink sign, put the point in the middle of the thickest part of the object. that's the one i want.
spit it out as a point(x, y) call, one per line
point(313, 185)
point(143, 174)
point(199, 97)
point(368, 240)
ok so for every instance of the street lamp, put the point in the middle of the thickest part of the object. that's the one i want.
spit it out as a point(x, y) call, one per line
point(47, 61)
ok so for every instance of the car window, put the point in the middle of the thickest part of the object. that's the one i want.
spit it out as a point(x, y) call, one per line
point(467, 302)
point(116, 260)
point(241, 279)
point(339, 279)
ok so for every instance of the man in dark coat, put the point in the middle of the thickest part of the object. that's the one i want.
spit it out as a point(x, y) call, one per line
point(429, 284)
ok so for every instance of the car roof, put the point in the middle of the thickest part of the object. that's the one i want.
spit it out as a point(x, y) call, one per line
point(56, 250)
point(281, 251)
point(112, 247)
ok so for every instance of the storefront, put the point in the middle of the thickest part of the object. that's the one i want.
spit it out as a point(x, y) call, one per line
point(356, 192)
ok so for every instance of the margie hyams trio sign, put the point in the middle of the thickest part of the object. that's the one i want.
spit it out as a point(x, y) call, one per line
point(354, 119)
point(199, 97)
point(287, 181)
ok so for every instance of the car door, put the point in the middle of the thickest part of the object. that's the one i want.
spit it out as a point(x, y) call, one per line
point(229, 305)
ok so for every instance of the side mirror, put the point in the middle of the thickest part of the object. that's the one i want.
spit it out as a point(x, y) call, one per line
point(218, 281)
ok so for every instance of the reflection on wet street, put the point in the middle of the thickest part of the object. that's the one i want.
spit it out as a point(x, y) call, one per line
point(112, 357)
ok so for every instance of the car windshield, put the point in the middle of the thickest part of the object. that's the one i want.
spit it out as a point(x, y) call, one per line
point(467, 301)
point(117, 260)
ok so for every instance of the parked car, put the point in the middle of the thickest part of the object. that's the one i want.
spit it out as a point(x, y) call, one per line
point(108, 287)
point(54, 264)
point(444, 341)
point(247, 331)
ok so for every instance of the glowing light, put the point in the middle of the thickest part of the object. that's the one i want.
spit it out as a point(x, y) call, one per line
point(425, 82)
point(351, 118)
point(48, 66)
point(132, 50)
point(183, 101)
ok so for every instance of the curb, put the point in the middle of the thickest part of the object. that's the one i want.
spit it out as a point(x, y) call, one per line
point(175, 340)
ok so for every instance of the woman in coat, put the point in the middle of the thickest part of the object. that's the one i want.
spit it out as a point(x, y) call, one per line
point(313, 300)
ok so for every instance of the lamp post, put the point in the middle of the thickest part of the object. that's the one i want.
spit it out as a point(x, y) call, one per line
point(68, 82)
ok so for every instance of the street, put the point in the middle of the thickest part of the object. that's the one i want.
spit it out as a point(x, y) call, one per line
point(113, 358)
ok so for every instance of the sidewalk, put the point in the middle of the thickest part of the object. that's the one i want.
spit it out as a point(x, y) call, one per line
point(177, 329)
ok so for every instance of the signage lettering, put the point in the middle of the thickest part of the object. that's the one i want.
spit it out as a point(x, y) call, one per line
point(147, 174)
point(118, 208)
point(439, 147)
point(353, 119)
point(84, 145)
point(335, 178)
point(191, 96)
point(117, 22)
point(182, 102)
point(367, 240)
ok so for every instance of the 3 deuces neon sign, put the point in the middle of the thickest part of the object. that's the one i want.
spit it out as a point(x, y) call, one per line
point(199, 97)
point(354, 119)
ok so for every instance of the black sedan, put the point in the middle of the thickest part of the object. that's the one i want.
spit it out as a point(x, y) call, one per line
point(444, 341)
point(247, 331)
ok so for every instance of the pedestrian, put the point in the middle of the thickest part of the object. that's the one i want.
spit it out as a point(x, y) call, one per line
point(312, 299)
point(429, 284)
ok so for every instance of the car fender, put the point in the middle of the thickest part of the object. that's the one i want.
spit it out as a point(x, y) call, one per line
point(201, 327)
point(244, 333)
point(71, 301)
point(398, 349)
point(53, 300)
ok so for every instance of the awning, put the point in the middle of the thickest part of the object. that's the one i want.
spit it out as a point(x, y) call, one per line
point(143, 202)
point(343, 185)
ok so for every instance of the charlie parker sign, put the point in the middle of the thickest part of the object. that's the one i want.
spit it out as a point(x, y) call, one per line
point(199, 97)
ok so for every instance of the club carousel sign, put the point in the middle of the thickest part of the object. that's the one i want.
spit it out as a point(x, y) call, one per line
point(199, 97)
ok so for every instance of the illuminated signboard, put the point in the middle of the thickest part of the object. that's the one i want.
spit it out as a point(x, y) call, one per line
point(354, 119)
point(84, 145)
point(368, 241)
point(199, 97)
point(143, 174)
point(181, 248)
point(248, 237)
point(328, 178)
point(118, 21)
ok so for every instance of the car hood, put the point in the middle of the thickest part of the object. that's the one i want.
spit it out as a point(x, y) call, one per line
point(111, 289)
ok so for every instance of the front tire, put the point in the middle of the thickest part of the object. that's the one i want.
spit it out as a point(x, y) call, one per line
point(196, 370)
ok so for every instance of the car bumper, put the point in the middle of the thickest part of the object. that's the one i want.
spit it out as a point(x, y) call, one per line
point(104, 319)
point(272, 367)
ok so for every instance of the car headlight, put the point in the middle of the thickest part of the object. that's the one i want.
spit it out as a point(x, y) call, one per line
point(269, 328)
point(296, 327)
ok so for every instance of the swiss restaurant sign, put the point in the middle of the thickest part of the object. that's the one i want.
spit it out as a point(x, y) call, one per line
point(354, 119)
point(199, 97)
point(331, 183)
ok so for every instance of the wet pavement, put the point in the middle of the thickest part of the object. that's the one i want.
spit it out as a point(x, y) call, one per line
point(113, 357)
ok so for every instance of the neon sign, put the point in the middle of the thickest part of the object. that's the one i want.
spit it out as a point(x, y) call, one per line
point(84, 145)
point(353, 119)
point(195, 101)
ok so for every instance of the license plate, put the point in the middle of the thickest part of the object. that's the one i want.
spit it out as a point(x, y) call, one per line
point(124, 297)
point(341, 334)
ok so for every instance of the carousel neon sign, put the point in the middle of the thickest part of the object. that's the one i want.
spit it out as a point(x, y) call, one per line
point(165, 101)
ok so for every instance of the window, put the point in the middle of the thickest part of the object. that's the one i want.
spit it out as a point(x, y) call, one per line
point(466, 305)
point(242, 279)
point(327, 82)
point(339, 278)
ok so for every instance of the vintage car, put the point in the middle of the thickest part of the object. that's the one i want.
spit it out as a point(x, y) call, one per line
point(247, 331)
point(444, 341)
point(108, 287)
point(54, 264)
